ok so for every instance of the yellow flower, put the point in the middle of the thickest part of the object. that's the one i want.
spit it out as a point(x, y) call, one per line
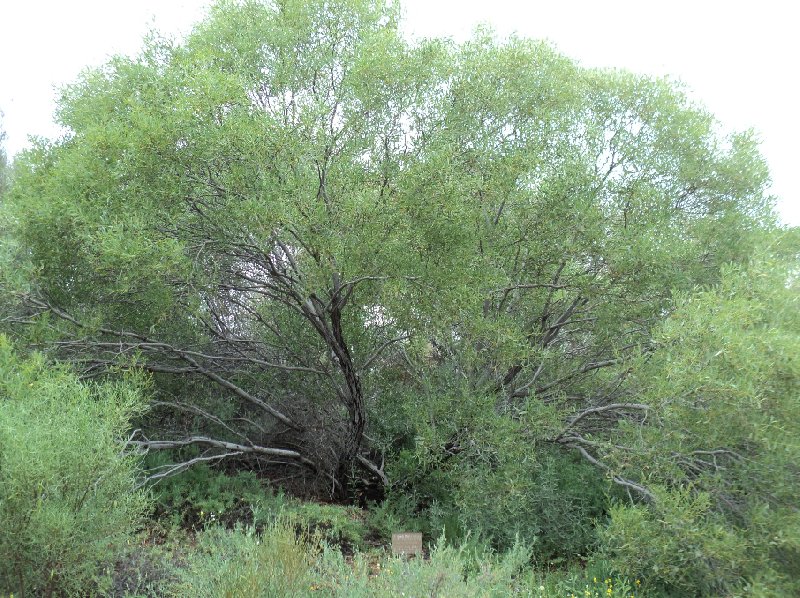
point(595, 580)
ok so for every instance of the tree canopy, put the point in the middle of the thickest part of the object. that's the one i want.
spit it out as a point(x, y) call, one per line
point(335, 248)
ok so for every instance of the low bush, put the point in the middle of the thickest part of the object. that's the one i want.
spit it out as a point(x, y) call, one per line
point(447, 573)
point(336, 525)
point(242, 563)
point(678, 543)
point(202, 495)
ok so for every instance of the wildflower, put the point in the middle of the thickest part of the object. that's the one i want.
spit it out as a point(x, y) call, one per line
point(609, 591)
point(595, 580)
point(638, 583)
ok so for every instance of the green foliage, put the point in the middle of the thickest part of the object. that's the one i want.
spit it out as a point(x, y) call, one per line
point(454, 182)
point(473, 470)
point(276, 561)
point(553, 504)
point(448, 572)
point(4, 166)
point(396, 513)
point(245, 564)
point(67, 497)
point(204, 495)
point(343, 527)
point(587, 580)
point(511, 279)
point(722, 445)
point(147, 567)
point(678, 543)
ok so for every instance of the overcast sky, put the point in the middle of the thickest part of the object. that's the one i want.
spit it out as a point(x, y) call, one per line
point(738, 58)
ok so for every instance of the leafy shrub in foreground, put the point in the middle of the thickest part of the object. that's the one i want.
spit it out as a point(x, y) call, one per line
point(67, 495)
point(721, 450)
point(450, 572)
point(244, 564)
point(677, 543)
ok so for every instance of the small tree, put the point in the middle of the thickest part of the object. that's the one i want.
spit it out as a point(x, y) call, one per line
point(67, 484)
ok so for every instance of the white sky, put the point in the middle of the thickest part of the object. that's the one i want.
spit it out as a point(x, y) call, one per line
point(739, 58)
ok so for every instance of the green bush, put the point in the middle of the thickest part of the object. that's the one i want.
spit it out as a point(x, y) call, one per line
point(67, 497)
point(677, 543)
point(396, 513)
point(333, 524)
point(552, 502)
point(592, 579)
point(721, 448)
point(499, 488)
point(241, 563)
point(203, 495)
point(449, 572)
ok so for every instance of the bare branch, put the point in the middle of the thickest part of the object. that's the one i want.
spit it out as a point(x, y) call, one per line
point(224, 445)
point(378, 471)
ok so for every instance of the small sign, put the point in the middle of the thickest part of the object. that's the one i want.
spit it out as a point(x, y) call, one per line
point(407, 544)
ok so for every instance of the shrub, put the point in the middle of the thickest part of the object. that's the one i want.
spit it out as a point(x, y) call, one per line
point(552, 503)
point(67, 497)
point(333, 524)
point(720, 449)
point(204, 495)
point(677, 543)
point(449, 572)
point(498, 487)
point(241, 563)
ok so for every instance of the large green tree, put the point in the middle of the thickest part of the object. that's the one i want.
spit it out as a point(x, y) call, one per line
point(325, 241)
